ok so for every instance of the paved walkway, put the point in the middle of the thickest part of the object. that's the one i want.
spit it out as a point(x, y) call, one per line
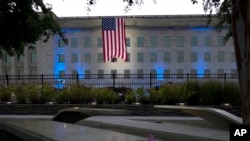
point(162, 128)
point(167, 128)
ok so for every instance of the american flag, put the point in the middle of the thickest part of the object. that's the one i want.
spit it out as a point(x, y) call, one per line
point(114, 39)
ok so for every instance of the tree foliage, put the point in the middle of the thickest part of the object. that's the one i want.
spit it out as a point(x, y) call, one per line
point(22, 25)
point(222, 10)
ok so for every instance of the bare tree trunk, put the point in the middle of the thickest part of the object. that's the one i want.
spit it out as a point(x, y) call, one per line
point(241, 34)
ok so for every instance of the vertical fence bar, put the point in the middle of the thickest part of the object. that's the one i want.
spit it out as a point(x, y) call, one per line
point(225, 77)
point(187, 76)
point(7, 79)
point(42, 78)
point(150, 80)
point(77, 78)
point(113, 76)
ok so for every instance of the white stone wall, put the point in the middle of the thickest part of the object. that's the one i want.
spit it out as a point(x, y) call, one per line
point(172, 26)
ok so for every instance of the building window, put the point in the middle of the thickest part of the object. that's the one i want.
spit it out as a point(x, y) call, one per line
point(100, 74)
point(194, 41)
point(128, 57)
point(128, 42)
point(167, 73)
point(20, 71)
point(180, 56)
point(208, 40)
point(153, 57)
point(234, 73)
point(20, 59)
point(87, 58)
point(99, 42)
point(140, 57)
point(140, 42)
point(33, 57)
point(193, 73)
point(74, 74)
point(74, 58)
point(207, 73)
point(180, 41)
point(87, 74)
point(153, 73)
point(74, 43)
point(61, 74)
point(140, 73)
point(114, 60)
point(153, 41)
point(167, 41)
point(167, 57)
point(87, 42)
point(7, 58)
point(7, 71)
point(33, 71)
point(180, 73)
point(114, 73)
point(126, 73)
point(61, 58)
point(99, 58)
point(221, 41)
point(207, 57)
point(194, 57)
point(61, 43)
point(220, 73)
point(221, 56)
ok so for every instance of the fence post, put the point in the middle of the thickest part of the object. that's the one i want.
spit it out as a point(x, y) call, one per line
point(7, 79)
point(42, 79)
point(113, 76)
point(225, 77)
point(77, 78)
point(150, 80)
point(187, 76)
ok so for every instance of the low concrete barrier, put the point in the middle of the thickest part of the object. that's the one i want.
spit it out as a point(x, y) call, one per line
point(220, 118)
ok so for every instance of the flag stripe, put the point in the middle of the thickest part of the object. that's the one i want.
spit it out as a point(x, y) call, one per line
point(114, 40)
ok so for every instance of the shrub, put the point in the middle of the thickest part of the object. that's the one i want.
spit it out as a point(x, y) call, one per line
point(210, 92)
point(231, 93)
point(78, 93)
point(194, 99)
point(140, 93)
point(153, 96)
point(48, 93)
point(170, 94)
point(130, 96)
point(5, 93)
point(21, 94)
point(33, 92)
point(62, 96)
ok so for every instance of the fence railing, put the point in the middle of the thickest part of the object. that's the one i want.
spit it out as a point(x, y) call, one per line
point(113, 80)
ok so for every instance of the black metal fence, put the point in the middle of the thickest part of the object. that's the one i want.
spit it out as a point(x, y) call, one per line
point(113, 80)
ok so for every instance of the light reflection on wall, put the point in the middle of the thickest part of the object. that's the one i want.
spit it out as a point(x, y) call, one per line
point(63, 66)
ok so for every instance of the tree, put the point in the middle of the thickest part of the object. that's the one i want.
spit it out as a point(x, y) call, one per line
point(22, 25)
point(236, 15)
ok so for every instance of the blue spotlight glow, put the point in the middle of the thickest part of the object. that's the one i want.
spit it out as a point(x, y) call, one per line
point(202, 28)
point(200, 66)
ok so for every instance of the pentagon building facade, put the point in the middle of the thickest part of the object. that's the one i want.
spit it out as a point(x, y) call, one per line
point(155, 44)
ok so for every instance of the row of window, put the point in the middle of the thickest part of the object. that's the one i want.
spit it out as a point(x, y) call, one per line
point(153, 57)
point(20, 71)
point(32, 58)
point(165, 41)
point(140, 73)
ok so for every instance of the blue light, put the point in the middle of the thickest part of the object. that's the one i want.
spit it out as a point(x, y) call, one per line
point(202, 28)
point(67, 30)
point(200, 66)
point(160, 73)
